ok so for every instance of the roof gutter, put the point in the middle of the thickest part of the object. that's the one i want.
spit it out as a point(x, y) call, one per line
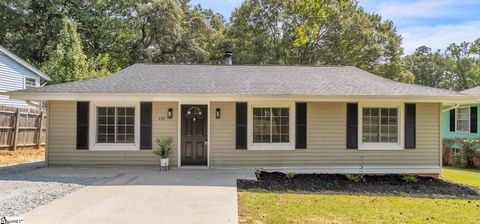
point(39, 96)
point(449, 108)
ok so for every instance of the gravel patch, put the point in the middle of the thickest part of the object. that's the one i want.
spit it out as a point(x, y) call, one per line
point(367, 184)
point(22, 191)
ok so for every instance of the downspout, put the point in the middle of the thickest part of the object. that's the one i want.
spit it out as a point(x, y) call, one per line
point(37, 105)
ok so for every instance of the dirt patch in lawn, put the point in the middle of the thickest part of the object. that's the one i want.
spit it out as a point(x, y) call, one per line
point(21, 156)
point(366, 184)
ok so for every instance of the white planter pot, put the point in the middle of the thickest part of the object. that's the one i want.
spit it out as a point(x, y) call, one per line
point(164, 162)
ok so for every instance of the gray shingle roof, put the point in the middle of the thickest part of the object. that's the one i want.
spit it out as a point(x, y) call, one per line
point(243, 79)
point(475, 91)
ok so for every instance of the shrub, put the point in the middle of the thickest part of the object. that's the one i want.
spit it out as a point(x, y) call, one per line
point(355, 178)
point(290, 175)
point(410, 179)
point(464, 159)
point(466, 153)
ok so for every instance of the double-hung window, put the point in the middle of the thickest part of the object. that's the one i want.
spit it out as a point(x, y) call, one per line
point(462, 119)
point(271, 125)
point(381, 126)
point(115, 125)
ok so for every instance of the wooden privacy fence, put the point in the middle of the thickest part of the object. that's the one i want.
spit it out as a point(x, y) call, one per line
point(21, 128)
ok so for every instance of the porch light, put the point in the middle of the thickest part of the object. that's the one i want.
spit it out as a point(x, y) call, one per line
point(217, 113)
point(170, 113)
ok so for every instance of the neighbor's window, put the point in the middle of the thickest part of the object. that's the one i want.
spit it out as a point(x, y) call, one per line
point(462, 119)
point(380, 125)
point(115, 124)
point(30, 83)
point(271, 125)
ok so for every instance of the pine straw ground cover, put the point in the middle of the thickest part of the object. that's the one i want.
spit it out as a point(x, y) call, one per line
point(317, 198)
point(8, 157)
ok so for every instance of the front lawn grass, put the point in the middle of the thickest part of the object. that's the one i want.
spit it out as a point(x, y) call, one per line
point(264, 207)
point(463, 176)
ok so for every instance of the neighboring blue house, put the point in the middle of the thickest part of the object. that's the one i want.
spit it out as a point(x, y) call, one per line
point(17, 74)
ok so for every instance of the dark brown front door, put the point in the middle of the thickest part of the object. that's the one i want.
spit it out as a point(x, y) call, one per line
point(194, 134)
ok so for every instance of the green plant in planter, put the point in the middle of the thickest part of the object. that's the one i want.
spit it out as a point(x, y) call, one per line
point(164, 147)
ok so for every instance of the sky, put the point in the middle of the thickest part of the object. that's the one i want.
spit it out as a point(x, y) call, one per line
point(434, 23)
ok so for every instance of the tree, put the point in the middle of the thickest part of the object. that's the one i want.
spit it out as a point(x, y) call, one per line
point(464, 64)
point(26, 27)
point(262, 32)
point(429, 68)
point(107, 27)
point(333, 32)
point(129, 31)
point(345, 34)
point(77, 40)
point(457, 68)
point(67, 61)
point(395, 71)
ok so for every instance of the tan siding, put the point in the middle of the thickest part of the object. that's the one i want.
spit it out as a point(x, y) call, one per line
point(325, 135)
point(62, 137)
point(326, 139)
point(165, 127)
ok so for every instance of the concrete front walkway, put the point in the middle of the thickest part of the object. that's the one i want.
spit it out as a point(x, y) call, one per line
point(144, 195)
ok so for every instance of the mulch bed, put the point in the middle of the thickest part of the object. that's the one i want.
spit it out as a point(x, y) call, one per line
point(369, 184)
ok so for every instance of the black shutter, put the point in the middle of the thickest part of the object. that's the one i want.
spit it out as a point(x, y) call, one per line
point(241, 125)
point(145, 125)
point(352, 126)
point(473, 119)
point(82, 125)
point(452, 120)
point(410, 125)
point(301, 125)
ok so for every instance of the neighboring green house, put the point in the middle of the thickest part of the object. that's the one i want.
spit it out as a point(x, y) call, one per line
point(461, 121)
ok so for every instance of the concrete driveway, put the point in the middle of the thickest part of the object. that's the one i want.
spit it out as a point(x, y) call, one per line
point(145, 195)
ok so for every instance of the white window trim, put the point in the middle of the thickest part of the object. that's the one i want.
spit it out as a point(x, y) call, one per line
point(400, 145)
point(456, 119)
point(94, 146)
point(37, 83)
point(272, 146)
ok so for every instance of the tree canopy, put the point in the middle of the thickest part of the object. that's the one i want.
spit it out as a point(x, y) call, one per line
point(75, 40)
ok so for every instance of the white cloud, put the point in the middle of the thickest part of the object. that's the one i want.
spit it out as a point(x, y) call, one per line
point(425, 8)
point(434, 23)
point(439, 36)
point(402, 9)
